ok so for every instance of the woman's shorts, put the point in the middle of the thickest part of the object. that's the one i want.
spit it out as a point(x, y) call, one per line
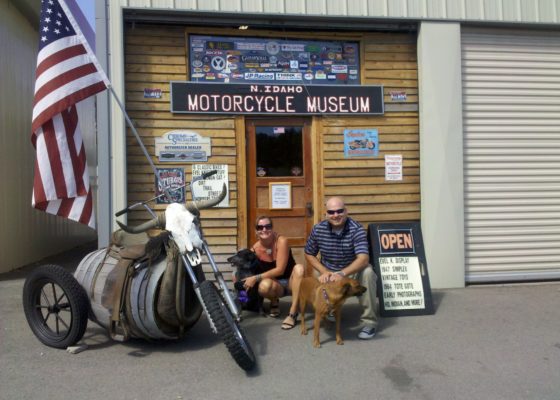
point(285, 284)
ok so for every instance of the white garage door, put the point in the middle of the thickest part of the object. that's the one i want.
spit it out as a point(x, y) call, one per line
point(511, 115)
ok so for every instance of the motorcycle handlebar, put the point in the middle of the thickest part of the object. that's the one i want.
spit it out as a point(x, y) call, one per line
point(129, 208)
point(209, 174)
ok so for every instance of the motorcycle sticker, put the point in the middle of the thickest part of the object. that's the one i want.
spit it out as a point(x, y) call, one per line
point(218, 63)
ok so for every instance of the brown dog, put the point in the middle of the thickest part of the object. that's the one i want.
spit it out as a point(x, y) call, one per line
point(326, 297)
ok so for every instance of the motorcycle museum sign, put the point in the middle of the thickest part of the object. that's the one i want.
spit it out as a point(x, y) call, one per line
point(292, 99)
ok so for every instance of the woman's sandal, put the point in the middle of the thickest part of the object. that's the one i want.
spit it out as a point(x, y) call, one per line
point(290, 321)
point(274, 309)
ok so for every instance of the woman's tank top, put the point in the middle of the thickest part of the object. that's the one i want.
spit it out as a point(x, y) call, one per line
point(268, 265)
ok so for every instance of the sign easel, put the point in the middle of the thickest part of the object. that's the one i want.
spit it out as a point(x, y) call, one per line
point(397, 251)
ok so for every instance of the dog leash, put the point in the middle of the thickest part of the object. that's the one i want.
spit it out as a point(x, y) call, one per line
point(326, 297)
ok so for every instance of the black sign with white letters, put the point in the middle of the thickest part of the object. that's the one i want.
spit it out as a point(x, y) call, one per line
point(289, 99)
point(397, 254)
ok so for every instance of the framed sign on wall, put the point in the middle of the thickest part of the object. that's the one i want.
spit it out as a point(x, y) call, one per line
point(280, 195)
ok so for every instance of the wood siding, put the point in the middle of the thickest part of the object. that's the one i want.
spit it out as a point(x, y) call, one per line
point(155, 55)
point(388, 60)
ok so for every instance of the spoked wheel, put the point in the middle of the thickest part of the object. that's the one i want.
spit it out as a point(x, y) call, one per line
point(227, 327)
point(56, 306)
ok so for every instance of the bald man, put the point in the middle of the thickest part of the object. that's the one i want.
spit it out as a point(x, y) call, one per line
point(344, 250)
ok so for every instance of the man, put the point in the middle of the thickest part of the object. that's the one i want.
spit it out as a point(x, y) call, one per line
point(343, 245)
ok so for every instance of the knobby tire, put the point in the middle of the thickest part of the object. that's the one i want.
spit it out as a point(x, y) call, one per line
point(227, 327)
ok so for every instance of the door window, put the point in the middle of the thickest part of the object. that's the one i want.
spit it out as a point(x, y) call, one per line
point(279, 151)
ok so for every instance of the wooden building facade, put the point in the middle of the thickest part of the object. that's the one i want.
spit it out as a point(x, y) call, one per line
point(156, 55)
point(468, 104)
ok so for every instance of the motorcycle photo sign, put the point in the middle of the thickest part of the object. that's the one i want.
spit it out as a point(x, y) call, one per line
point(361, 143)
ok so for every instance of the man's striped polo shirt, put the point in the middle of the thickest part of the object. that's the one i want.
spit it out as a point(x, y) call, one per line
point(338, 249)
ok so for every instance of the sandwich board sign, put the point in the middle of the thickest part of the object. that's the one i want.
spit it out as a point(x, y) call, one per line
point(403, 285)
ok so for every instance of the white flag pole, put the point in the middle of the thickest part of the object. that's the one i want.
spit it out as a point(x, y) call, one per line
point(139, 139)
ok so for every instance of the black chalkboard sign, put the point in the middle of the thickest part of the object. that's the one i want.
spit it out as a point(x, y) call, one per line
point(403, 284)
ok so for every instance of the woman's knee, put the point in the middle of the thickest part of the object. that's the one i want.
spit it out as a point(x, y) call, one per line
point(298, 271)
point(264, 286)
point(269, 288)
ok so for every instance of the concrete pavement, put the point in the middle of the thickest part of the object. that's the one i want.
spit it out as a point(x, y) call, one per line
point(485, 342)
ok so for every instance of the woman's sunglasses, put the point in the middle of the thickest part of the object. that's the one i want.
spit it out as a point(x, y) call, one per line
point(333, 212)
point(261, 227)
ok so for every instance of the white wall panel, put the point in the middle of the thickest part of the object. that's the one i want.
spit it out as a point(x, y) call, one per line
point(139, 3)
point(513, 11)
point(295, 7)
point(316, 7)
point(417, 9)
point(492, 10)
point(455, 9)
point(441, 151)
point(547, 11)
point(397, 8)
point(474, 9)
point(252, 5)
point(539, 11)
point(230, 5)
point(435, 8)
point(358, 8)
point(378, 8)
point(273, 6)
point(213, 5)
point(511, 115)
point(529, 9)
point(336, 7)
point(26, 235)
point(186, 4)
point(163, 4)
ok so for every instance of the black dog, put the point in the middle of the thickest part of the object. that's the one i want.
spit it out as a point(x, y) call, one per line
point(246, 264)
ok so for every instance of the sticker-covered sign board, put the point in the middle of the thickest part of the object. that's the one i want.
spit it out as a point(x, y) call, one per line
point(248, 59)
point(397, 251)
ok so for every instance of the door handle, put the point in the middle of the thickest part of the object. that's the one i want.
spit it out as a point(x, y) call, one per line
point(308, 209)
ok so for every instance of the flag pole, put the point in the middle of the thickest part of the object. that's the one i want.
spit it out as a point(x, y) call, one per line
point(139, 140)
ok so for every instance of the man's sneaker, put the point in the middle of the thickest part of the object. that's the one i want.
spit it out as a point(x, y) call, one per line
point(330, 317)
point(367, 332)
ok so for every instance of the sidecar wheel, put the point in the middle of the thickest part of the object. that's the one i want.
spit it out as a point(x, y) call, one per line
point(227, 327)
point(56, 306)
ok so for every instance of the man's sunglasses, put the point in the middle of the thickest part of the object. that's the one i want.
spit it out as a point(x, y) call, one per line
point(261, 227)
point(333, 212)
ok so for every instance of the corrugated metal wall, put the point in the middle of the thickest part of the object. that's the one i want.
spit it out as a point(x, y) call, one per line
point(26, 235)
point(511, 100)
point(543, 11)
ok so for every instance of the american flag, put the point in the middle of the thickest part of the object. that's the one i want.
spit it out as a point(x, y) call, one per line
point(67, 72)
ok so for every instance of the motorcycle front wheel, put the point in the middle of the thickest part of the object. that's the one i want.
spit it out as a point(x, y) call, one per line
point(227, 327)
point(55, 305)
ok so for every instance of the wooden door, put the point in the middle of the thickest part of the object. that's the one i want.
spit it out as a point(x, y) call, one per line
point(278, 160)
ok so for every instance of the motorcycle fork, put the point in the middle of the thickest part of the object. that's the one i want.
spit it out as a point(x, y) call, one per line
point(194, 258)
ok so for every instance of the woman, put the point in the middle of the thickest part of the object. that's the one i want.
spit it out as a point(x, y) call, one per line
point(279, 274)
